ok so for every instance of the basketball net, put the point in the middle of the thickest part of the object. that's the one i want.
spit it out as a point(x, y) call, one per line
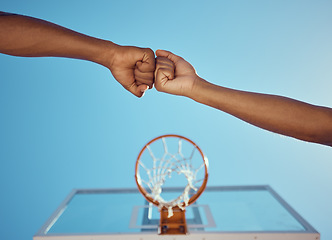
point(162, 168)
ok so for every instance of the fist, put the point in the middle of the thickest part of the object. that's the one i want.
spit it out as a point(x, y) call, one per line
point(164, 73)
point(173, 74)
point(133, 68)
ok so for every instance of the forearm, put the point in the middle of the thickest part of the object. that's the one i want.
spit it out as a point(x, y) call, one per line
point(31, 37)
point(274, 113)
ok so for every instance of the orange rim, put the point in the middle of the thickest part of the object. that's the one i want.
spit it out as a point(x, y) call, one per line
point(201, 188)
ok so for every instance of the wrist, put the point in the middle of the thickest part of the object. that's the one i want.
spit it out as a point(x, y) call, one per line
point(196, 88)
point(106, 53)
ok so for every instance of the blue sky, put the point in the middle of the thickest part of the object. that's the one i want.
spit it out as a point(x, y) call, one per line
point(68, 124)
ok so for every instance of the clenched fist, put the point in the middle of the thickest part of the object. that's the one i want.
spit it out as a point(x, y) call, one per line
point(173, 74)
point(133, 68)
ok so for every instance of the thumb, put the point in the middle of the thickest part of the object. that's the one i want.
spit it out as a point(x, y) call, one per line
point(162, 78)
point(147, 60)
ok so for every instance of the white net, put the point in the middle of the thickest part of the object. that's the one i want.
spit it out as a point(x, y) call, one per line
point(158, 170)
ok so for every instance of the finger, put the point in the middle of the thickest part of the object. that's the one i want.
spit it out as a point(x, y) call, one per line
point(144, 77)
point(142, 89)
point(137, 90)
point(132, 86)
point(163, 75)
point(164, 62)
point(171, 56)
point(147, 60)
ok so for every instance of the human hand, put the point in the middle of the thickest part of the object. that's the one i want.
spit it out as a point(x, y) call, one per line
point(173, 74)
point(133, 68)
point(25, 36)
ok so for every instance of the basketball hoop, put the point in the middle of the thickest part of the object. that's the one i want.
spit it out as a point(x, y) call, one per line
point(158, 160)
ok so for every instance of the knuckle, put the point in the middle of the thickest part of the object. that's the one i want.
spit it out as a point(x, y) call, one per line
point(149, 52)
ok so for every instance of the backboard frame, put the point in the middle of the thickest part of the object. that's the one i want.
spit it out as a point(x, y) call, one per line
point(309, 234)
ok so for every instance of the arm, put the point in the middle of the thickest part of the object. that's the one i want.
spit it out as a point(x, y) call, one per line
point(24, 36)
point(274, 113)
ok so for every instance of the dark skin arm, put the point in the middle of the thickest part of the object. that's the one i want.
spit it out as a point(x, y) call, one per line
point(24, 36)
point(278, 114)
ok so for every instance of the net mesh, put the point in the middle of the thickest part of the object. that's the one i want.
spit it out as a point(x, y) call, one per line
point(163, 167)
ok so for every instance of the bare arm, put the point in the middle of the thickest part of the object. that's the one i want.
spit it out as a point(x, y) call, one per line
point(25, 36)
point(274, 113)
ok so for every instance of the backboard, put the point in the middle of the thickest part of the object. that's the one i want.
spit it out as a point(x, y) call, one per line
point(224, 212)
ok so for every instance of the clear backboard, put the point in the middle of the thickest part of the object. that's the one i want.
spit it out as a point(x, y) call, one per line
point(229, 213)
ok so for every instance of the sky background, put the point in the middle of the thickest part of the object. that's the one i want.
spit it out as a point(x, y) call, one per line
point(68, 124)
